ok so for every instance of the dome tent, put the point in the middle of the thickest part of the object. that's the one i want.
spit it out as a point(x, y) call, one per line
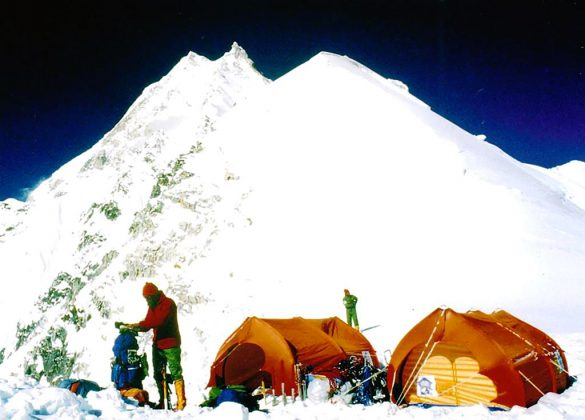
point(452, 358)
point(267, 350)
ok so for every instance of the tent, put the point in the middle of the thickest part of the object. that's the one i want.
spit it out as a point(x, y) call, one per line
point(452, 358)
point(266, 350)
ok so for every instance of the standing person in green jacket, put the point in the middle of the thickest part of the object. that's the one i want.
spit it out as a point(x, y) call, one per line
point(350, 302)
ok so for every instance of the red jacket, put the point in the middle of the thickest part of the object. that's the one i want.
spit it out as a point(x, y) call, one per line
point(163, 321)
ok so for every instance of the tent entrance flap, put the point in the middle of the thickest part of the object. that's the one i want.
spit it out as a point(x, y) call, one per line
point(450, 376)
point(243, 365)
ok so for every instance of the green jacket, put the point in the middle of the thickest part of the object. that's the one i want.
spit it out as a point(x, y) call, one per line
point(350, 301)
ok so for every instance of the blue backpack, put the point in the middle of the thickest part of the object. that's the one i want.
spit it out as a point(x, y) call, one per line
point(128, 367)
point(232, 393)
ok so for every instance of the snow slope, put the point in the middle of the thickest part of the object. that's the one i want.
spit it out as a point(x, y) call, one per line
point(240, 196)
point(363, 186)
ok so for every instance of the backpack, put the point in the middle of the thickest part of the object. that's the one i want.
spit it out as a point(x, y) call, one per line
point(128, 367)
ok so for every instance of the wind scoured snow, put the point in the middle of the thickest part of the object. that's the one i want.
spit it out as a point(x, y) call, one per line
point(241, 197)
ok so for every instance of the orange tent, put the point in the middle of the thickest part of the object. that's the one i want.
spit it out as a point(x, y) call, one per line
point(268, 349)
point(452, 358)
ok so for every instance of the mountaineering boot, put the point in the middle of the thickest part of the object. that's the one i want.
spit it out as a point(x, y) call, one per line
point(180, 389)
point(160, 386)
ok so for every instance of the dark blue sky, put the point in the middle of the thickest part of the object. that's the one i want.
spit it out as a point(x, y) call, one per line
point(511, 69)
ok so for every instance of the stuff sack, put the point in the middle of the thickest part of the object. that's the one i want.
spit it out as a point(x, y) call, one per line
point(79, 387)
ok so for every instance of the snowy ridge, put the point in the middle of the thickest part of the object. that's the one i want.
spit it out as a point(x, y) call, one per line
point(331, 62)
point(109, 231)
point(571, 177)
point(240, 196)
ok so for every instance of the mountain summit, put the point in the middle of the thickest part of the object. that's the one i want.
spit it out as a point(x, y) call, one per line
point(241, 196)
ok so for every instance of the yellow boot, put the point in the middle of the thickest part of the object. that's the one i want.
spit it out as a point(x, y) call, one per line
point(180, 390)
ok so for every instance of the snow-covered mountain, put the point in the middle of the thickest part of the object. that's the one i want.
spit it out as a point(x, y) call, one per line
point(240, 196)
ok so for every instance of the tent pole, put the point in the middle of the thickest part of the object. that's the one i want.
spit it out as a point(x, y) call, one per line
point(531, 383)
point(411, 378)
point(283, 393)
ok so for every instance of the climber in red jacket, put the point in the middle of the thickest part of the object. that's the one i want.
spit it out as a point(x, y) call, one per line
point(161, 317)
